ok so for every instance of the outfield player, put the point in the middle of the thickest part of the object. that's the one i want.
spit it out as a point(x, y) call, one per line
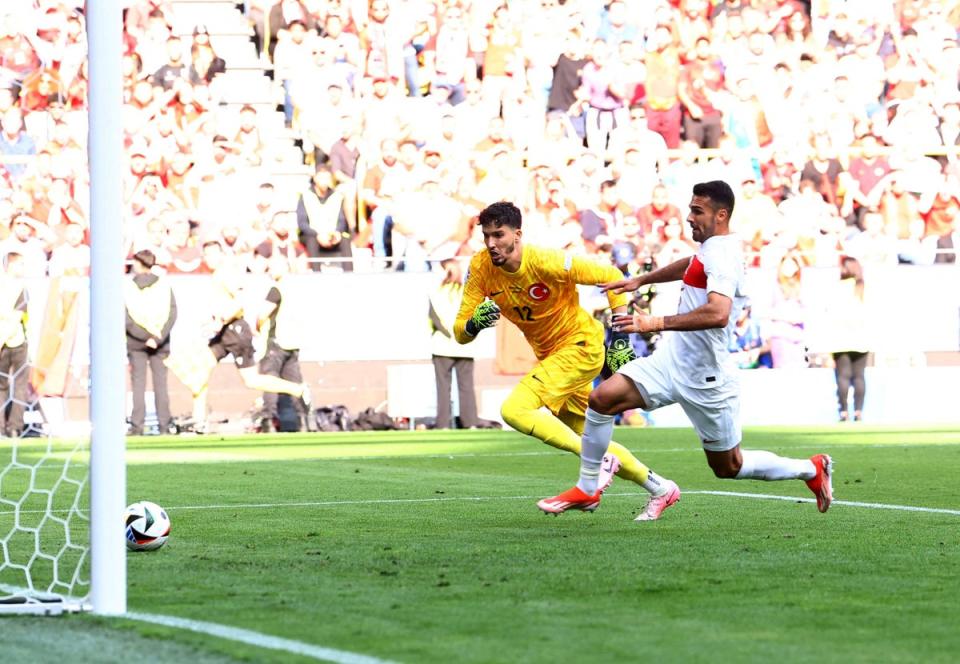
point(536, 289)
point(691, 367)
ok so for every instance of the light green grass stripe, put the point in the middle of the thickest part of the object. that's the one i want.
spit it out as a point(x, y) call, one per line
point(257, 639)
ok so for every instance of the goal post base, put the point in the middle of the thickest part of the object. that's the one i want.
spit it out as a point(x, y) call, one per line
point(40, 606)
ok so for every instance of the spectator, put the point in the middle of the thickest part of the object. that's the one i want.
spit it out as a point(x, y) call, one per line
point(175, 68)
point(205, 64)
point(451, 60)
point(22, 241)
point(282, 15)
point(750, 350)
point(15, 143)
point(566, 74)
point(602, 83)
point(662, 87)
point(654, 216)
point(701, 83)
point(603, 222)
point(72, 257)
point(851, 326)
point(786, 314)
point(865, 179)
point(901, 214)
point(248, 140)
point(280, 244)
point(940, 218)
point(502, 63)
point(344, 155)
point(872, 245)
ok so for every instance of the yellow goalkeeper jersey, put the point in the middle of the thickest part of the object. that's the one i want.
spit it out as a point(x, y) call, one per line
point(540, 298)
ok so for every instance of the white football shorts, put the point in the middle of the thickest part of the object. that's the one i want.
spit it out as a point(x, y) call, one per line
point(713, 411)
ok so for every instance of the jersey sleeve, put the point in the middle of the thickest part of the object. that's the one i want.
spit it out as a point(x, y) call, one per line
point(473, 294)
point(588, 272)
point(722, 267)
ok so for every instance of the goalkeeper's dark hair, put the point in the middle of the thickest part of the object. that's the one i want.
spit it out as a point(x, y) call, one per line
point(719, 192)
point(502, 213)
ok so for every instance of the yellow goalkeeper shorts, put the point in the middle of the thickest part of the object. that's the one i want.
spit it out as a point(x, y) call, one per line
point(564, 378)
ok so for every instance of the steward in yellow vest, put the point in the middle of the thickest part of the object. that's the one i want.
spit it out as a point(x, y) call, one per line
point(448, 355)
point(151, 313)
point(14, 390)
point(322, 222)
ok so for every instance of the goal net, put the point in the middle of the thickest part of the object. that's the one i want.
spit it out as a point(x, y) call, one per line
point(44, 504)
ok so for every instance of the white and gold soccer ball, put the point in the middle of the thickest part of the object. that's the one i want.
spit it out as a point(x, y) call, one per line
point(148, 526)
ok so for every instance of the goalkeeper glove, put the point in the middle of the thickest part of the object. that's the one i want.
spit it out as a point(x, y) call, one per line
point(619, 351)
point(485, 315)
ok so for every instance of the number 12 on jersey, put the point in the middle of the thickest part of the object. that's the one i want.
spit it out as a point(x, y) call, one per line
point(524, 312)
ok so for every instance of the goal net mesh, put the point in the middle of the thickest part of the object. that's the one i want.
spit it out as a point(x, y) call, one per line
point(44, 502)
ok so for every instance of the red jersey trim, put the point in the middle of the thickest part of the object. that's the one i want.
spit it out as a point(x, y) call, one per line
point(695, 276)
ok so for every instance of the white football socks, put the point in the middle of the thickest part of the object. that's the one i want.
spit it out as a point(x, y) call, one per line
point(654, 484)
point(597, 431)
point(761, 465)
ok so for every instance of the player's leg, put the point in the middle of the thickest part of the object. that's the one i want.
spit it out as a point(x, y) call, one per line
point(614, 395)
point(522, 411)
point(843, 371)
point(643, 383)
point(715, 414)
point(593, 468)
point(858, 367)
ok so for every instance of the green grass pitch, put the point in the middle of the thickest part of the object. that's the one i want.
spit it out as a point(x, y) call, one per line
point(428, 547)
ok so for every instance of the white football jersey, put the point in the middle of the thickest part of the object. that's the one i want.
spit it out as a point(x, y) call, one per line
point(702, 357)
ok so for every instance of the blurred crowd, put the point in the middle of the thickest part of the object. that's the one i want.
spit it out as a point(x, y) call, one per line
point(835, 122)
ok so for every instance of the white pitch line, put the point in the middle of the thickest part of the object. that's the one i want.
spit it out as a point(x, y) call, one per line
point(394, 501)
point(447, 499)
point(848, 503)
point(257, 639)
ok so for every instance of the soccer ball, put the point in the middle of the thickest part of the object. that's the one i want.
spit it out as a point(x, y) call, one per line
point(148, 526)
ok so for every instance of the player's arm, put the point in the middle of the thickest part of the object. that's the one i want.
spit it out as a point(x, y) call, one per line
point(587, 272)
point(270, 304)
point(672, 272)
point(476, 311)
point(715, 313)
point(584, 271)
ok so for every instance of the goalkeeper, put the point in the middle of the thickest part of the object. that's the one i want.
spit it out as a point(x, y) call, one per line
point(536, 289)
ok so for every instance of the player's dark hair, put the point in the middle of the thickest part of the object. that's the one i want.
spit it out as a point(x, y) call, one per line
point(718, 191)
point(503, 213)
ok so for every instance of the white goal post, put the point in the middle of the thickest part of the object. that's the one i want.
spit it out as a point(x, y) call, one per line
point(62, 545)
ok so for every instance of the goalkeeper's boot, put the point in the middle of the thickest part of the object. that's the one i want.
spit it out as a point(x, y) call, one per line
point(822, 482)
point(571, 499)
point(608, 469)
point(659, 502)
